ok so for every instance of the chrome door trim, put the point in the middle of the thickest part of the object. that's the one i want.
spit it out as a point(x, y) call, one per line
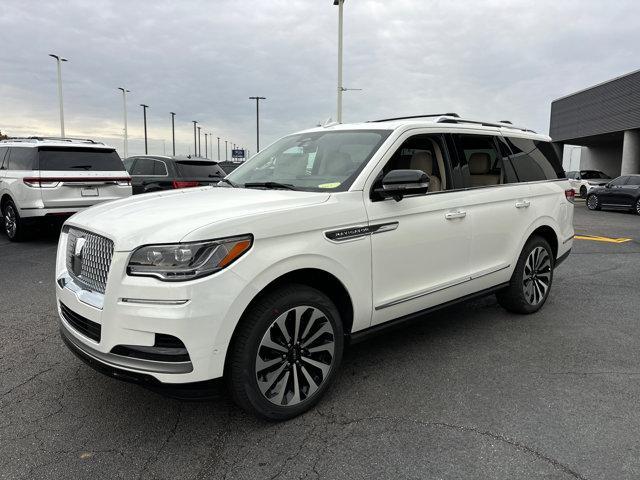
point(442, 286)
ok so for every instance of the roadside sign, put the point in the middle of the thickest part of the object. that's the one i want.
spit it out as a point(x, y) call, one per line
point(237, 153)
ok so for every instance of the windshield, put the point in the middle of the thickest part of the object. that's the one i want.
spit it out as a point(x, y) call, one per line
point(593, 174)
point(316, 161)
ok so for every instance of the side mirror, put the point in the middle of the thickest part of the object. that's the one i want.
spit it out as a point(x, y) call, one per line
point(398, 183)
point(608, 185)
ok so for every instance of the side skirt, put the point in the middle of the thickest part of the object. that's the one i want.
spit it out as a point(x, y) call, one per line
point(367, 333)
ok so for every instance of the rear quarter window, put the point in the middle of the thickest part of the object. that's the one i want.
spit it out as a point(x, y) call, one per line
point(79, 159)
point(21, 158)
point(535, 160)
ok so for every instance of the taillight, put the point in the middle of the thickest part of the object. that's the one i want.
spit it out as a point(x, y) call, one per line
point(123, 182)
point(37, 182)
point(570, 194)
point(179, 184)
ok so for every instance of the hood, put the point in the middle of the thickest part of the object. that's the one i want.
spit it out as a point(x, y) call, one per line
point(167, 217)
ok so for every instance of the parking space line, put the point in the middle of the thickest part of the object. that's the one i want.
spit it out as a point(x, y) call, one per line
point(596, 238)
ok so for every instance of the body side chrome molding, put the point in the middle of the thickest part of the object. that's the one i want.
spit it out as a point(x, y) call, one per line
point(442, 286)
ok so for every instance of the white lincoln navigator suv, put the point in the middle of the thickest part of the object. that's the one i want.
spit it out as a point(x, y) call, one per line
point(324, 237)
point(55, 177)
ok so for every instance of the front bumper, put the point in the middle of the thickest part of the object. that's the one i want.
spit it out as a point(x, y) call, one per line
point(133, 311)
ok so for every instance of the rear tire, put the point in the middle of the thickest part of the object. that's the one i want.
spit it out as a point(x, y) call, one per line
point(593, 202)
point(14, 226)
point(583, 192)
point(531, 281)
point(286, 353)
point(638, 206)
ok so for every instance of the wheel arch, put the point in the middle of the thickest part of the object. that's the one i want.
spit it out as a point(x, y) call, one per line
point(314, 277)
point(549, 234)
point(4, 199)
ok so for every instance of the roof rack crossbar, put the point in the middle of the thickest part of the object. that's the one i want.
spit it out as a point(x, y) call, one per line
point(447, 119)
point(428, 115)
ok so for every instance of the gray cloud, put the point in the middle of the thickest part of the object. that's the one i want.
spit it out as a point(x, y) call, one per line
point(202, 59)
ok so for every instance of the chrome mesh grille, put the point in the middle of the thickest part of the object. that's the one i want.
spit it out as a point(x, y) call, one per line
point(92, 269)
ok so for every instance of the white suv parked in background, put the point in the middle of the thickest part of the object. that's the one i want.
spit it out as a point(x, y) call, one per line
point(323, 237)
point(44, 177)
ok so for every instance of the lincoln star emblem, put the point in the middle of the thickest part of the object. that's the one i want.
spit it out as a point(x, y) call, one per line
point(76, 260)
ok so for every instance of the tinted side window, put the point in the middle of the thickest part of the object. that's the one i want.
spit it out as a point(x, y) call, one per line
point(508, 172)
point(3, 153)
point(160, 168)
point(535, 160)
point(128, 163)
point(619, 181)
point(143, 166)
point(634, 180)
point(22, 158)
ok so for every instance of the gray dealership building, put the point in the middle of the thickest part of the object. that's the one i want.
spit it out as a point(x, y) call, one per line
point(599, 126)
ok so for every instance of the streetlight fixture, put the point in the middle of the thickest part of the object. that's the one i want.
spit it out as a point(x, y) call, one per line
point(59, 61)
point(126, 134)
point(257, 99)
point(340, 4)
point(195, 138)
point(173, 131)
point(144, 113)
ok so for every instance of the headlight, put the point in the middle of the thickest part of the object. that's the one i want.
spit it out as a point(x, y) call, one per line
point(186, 261)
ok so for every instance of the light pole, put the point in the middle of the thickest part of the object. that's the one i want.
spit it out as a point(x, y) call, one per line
point(199, 143)
point(340, 4)
point(59, 61)
point(257, 99)
point(206, 145)
point(195, 141)
point(173, 131)
point(226, 152)
point(218, 148)
point(144, 113)
point(126, 134)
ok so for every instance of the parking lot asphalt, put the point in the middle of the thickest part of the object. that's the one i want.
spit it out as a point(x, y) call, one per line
point(469, 392)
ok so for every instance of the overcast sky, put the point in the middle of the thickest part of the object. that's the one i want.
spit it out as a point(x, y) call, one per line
point(203, 59)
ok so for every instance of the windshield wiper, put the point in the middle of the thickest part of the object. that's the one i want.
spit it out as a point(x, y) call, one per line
point(228, 182)
point(270, 185)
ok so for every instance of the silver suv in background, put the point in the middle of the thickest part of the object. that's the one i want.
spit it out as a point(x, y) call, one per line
point(43, 177)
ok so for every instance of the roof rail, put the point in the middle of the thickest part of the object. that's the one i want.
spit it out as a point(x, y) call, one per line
point(448, 119)
point(58, 139)
point(428, 115)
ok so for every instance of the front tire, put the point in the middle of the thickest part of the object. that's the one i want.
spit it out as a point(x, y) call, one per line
point(638, 206)
point(593, 202)
point(13, 224)
point(531, 281)
point(286, 353)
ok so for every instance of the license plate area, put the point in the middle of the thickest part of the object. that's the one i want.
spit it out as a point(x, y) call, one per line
point(90, 192)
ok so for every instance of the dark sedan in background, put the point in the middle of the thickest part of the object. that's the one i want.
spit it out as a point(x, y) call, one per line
point(152, 173)
point(620, 193)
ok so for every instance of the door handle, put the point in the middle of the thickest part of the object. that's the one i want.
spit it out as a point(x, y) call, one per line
point(456, 214)
point(523, 204)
